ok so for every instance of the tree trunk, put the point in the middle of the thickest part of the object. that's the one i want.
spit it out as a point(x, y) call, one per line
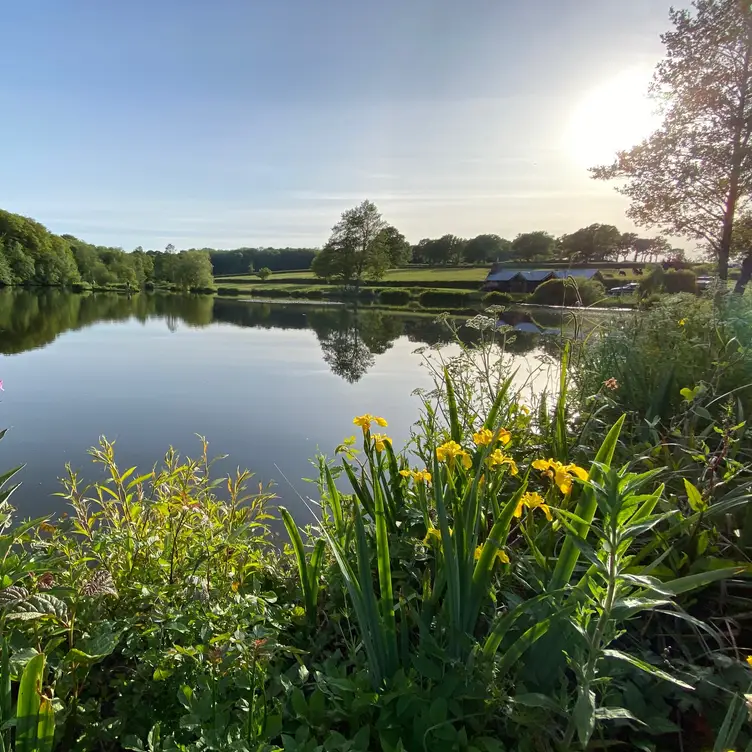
point(745, 275)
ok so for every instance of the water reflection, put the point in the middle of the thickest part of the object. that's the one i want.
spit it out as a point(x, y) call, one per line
point(350, 339)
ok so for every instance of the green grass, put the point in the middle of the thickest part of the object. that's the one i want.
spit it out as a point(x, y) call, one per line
point(427, 276)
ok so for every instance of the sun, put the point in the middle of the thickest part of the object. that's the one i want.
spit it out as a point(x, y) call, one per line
point(613, 116)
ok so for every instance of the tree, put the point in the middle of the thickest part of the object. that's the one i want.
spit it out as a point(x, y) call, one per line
point(264, 273)
point(356, 248)
point(193, 270)
point(6, 275)
point(485, 248)
point(694, 174)
point(399, 251)
point(593, 243)
point(533, 246)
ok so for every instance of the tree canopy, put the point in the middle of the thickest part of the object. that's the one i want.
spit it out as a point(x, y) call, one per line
point(357, 248)
point(694, 174)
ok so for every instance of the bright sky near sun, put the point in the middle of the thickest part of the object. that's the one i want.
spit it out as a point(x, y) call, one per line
point(229, 123)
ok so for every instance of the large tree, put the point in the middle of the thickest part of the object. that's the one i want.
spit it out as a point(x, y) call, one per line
point(356, 249)
point(694, 174)
point(593, 243)
point(533, 246)
point(483, 248)
point(398, 249)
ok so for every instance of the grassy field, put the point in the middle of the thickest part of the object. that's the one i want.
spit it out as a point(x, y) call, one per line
point(426, 277)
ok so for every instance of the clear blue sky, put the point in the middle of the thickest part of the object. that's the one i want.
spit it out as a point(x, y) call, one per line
point(257, 122)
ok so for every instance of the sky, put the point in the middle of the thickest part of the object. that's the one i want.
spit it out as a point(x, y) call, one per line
point(227, 123)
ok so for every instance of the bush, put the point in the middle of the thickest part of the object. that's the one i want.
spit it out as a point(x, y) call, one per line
point(315, 293)
point(497, 298)
point(394, 297)
point(569, 292)
point(681, 280)
point(229, 291)
point(444, 299)
point(81, 287)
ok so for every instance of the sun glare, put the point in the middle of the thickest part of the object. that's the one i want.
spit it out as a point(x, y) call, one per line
point(613, 116)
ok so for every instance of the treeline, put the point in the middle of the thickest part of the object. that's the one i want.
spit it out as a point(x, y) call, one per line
point(249, 260)
point(31, 255)
point(595, 243)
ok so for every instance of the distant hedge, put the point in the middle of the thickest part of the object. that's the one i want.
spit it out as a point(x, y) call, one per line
point(497, 298)
point(444, 299)
point(394, 297)
point(568, 292)
point(680, 280)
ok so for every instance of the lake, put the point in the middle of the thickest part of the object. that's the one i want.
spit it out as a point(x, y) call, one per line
point(266, 383)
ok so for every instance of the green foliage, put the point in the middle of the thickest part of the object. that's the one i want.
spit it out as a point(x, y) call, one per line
point(264, 273)
point(533, 246)
point(680, 280)
point(497, 298)
point(360, 246)
point(513, 578)
point(447, 299)
point(569, 292)
point(395, 296)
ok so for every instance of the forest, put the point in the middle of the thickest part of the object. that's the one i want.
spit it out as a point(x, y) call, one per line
point(31, 255)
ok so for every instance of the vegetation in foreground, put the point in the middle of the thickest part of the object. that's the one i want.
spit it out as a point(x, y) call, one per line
point(564, 573)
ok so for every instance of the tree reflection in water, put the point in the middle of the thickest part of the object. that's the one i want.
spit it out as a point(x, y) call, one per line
point(350, 339)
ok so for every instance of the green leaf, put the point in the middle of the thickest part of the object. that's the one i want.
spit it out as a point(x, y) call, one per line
point(297, 545)
point(537, 700)
point(454, 421)
point(616, 714)
point(33, 711)
point(584, 715)
point(427, 668)
point(585, 509)
point(696, 502)
point(695, 581)
point(646, 667)
point(298, 702)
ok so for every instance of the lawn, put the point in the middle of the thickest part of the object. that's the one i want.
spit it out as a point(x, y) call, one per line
point(427, 277)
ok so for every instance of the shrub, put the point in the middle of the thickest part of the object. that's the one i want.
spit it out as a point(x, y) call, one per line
point(315, 293)
point(229, 291)
point(394, 297)
point(569, 292)
point(680, 280)
point(497, 298)
point(444, 299)
point(81, 286)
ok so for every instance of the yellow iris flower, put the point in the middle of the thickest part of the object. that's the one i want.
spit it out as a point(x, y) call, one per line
point(561, 474)
point(364, 421)
point(500, 555)
point(380, 441)
point(419, 476)
point(451, 451)
point(498, 459)
point(533, 501)
point(485, 436)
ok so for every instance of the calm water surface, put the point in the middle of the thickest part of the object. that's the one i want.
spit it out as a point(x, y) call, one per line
point(267, 384)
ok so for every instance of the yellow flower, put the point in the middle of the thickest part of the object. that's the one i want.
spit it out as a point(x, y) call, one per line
point(749, 660)
point(500, 555)
point(450, 451)
point(380, 440)
point(561, 474)
point(682, 322)
point(46, 527)
point(533, 501)
point(504, 436)
point(419, 476)
point(364, 421)
point(433, 534)
point(498, 459)
point(524, 409)
point(483, 437)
